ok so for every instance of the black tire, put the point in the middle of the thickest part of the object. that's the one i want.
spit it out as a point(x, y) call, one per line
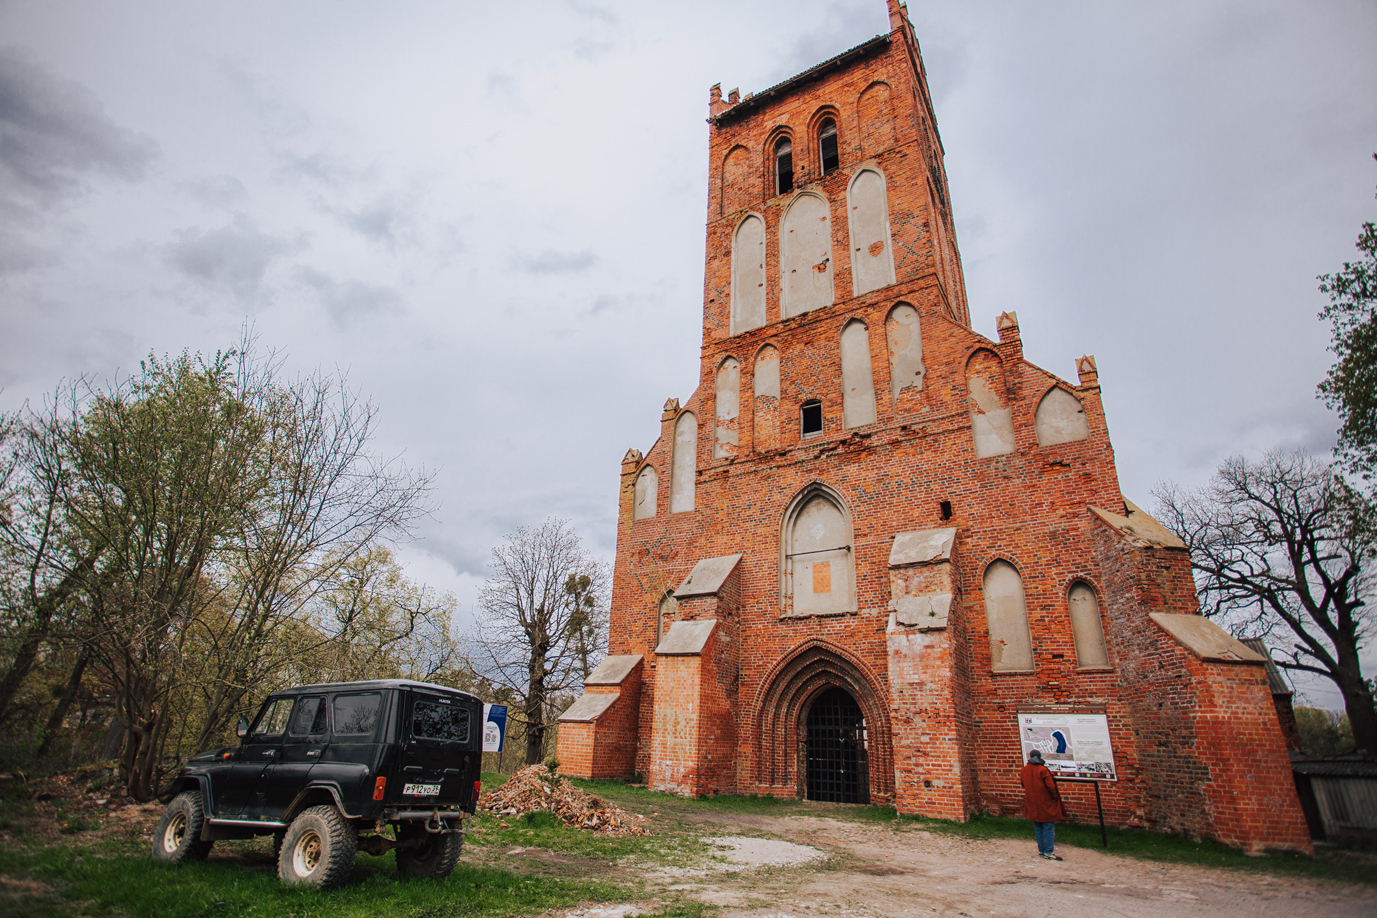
point(318, 849)
point(277, 843)
point(178, 836)
point(436, 856)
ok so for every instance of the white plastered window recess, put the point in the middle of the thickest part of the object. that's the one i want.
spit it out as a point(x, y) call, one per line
point(817, 555)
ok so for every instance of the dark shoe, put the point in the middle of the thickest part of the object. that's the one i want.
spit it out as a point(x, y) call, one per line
point(1052, 857)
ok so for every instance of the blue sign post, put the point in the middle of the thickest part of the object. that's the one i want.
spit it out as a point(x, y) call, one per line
point(494, 727)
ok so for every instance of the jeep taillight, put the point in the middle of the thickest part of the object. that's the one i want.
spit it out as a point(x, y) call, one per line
point(477, 789)
point(379, 786)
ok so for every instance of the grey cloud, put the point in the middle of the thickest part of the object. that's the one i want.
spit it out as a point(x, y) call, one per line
point(321, 167)
point(385, 221)
point(18, 254)
point(553, 262)
point(595, 12)
point(606, 302)
point(589, 48)
point(500, 82)
point(233, 257)
point(845, 25)
point(350, 299)
point(54, 132)
point(55, 137)
point(225, 191)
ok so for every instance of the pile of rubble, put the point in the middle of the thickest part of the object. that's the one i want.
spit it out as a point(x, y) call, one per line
point(536, 789)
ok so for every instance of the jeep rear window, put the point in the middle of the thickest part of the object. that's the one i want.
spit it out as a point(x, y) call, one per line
point(273, 720)
point(436, 721)
point(356, 715)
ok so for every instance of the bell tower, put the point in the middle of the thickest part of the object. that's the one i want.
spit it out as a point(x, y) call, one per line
point(827, 189)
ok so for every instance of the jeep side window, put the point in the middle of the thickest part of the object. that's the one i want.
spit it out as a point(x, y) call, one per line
point(273, 720)
point(446, 722)
point(356, 715)
point(309, 717)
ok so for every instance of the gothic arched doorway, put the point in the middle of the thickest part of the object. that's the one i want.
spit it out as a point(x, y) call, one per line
point(837, 766)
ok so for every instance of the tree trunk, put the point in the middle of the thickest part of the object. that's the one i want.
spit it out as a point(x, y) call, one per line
point(534, 708)
point(1358, 700)
point(535, 730)
point(27, 654)
point(63, 705)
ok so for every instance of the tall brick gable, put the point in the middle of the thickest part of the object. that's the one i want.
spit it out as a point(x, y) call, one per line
point(949, 548)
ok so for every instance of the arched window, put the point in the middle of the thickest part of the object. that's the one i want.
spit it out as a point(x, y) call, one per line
point(904, 335)
point(827, 146)
point(665, 615)
point(647, 492)
point(872, 255)
point(748, 275)
point(1086, 627)
point(784, 166)
point(1006, 614)
point(805, 256)
point(858, 383)
point(684, 466)
point(728, 408)
point(765, 382)
point(810, 417)
point(818, 573)
point(1060, 418)
point(992, 425)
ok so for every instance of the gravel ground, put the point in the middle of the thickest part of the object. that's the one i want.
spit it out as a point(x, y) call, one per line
point(836, 868)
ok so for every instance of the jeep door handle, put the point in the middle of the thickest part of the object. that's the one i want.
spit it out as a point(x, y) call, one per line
point(271, 752)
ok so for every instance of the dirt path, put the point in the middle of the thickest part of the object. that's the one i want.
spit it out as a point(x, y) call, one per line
point(878, 871)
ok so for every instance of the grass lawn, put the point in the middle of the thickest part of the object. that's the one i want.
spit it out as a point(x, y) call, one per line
point(88, 873)
point(55, 863)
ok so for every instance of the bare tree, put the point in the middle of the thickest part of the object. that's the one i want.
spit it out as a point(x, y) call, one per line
point(538, 624)
point(1284, 549)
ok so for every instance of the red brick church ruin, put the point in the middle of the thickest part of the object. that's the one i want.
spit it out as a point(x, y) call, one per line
point(872, 539)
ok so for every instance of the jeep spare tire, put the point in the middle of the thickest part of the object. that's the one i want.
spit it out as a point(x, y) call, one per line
point(318, 849)
point(178, 836)
point(429, 854)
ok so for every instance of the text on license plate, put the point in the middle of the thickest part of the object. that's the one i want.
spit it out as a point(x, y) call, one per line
point(420, 790)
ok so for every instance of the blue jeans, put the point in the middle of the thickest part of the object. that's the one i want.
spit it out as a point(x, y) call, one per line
point(1045, 833)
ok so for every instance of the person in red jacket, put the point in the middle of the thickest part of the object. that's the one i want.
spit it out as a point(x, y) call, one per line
point(1041, 803)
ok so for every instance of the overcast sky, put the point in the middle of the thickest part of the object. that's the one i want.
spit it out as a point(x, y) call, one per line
point(490, 215)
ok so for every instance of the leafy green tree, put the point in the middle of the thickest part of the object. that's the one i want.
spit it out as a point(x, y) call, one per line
point(1323, 732)
point(1351, 386)
point(166, 532)
point(373, 622)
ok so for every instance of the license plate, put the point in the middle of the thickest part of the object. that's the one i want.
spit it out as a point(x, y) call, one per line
point(421, 790)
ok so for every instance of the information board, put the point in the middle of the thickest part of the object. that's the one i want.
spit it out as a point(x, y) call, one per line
point(1073, 745)
point(494, 727)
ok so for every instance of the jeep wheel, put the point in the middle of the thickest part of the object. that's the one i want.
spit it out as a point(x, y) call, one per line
point(318, 849)
point(178, 836)
point(435, 854)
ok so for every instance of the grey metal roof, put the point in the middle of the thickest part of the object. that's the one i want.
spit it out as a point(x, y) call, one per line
point(1334, 766)
point(1275, 679)
point(754, 100)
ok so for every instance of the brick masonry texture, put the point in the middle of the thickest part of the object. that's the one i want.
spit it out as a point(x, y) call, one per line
point(1198, 747)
